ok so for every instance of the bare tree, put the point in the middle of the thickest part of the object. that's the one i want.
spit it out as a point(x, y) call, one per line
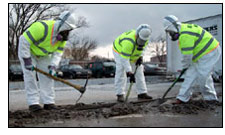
point(158, 47)
point(99, 58)
point(80, 48)
point(21, 16)
point(82, 22)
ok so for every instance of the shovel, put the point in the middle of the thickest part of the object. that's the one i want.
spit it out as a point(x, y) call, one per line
point(131, 84)
point(78, 87)
point(162, 100)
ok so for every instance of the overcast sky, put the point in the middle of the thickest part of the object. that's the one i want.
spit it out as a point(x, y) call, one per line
point(110, 20)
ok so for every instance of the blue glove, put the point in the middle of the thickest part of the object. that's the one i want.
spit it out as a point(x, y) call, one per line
point(52, 70)
point(28, 64)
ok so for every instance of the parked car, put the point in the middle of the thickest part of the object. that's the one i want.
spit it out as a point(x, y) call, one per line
point(100, 69)
point(73, 71)
point(15, 72)
point(153, 69)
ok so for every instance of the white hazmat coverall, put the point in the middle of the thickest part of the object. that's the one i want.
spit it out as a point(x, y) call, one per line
point(123, 66)
point(201, 69)
point(44, 92)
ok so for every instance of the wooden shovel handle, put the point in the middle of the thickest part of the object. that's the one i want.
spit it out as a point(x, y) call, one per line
point(78, 87)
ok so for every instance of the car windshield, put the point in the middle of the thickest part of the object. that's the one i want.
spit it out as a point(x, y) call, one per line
point(152, 65)
point(75, 67)
point(15, 67)
point(107, 64)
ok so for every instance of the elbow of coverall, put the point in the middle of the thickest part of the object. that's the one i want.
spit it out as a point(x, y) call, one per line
point(24, 48)
point(186, 61)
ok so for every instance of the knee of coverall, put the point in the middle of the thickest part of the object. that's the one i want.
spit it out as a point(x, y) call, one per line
point(206, 65)
point(120, 76)
point(209, 92)
point(27, 74)
point(185, 91)
point(120, 81)
point(30, 83)
point(140, 79)
point(46, 84)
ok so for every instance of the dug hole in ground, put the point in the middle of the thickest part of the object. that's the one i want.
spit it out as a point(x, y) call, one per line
point(98, 108)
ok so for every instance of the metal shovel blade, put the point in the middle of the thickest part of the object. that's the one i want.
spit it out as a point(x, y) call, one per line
point(162, 100)
point(82, 90)
point(158, 102)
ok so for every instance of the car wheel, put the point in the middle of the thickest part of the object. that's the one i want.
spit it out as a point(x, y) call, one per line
point(71, 76)
point(99, 75)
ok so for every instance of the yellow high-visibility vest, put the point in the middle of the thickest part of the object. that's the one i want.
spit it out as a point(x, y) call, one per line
point(39, 35)
point(195, 40)
point(126, 46)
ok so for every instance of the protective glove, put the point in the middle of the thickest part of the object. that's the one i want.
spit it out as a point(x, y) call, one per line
point(139, 61)
point(132, 77)
point(28, 64)
point(52, 70)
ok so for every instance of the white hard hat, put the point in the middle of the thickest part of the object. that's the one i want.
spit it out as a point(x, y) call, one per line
point(144, 31)
point(171, 23)
point(67, 21)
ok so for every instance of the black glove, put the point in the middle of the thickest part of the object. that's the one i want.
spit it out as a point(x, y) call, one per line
point(139, 61)
point(132, 77)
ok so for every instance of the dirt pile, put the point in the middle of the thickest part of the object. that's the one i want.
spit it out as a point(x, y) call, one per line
point(23, 118)
point(192, 107)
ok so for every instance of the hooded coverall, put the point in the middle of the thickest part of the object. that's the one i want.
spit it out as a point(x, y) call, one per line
point(39, 42)
point(205, 51)
point(126, 54)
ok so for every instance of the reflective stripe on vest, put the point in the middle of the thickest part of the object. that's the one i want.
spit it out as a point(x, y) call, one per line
point(133, 43)
point(203, 49)
point(36, 43)
point(60, 48)
point(131, 40)
point(123, 53)
point(197, 42)
point(125, 45)
point(114, 46)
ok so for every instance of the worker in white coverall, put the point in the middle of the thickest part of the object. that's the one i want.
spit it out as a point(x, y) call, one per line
point(41, 45)
point(128, 50)
point(200, 51)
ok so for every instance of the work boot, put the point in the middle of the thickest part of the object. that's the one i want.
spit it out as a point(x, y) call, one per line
point(144, 96)
point(49, 106)
point(35, 108)
point(120, 98)
point(177, 102)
